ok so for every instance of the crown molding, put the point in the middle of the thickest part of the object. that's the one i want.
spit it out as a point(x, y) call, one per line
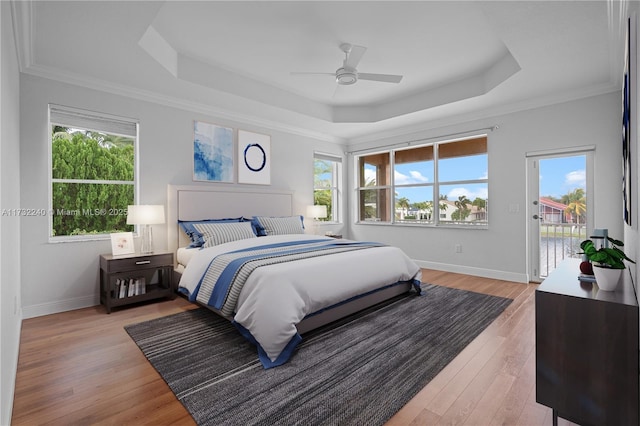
point(157, 98)
point(486, 113)
point(21, 17)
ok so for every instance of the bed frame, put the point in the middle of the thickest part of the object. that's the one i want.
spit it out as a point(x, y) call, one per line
point(198, 202)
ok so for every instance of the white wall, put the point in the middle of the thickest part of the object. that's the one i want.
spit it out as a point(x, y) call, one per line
point(68, 278)
point(501, 251)
point(10, 314)
point(64, 276)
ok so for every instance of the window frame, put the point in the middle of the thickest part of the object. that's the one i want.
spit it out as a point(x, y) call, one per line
point(436, 215)
point(92, 121)
point(335, 188)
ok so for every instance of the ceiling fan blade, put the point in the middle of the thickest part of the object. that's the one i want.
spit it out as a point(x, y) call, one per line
point(333, 74)
point(385, 78)
point(354, 56)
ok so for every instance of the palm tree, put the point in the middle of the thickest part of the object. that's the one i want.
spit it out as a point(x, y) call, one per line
point(403, 204)
point(576, 203)
point(443, 206)
point(461, 204)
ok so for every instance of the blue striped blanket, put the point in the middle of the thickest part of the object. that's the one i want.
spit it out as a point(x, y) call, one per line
point(222, 283)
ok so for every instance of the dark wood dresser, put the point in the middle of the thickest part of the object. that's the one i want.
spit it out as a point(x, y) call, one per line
point(586, 349)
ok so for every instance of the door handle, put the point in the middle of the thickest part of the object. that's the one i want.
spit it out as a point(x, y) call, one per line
point(535, 216)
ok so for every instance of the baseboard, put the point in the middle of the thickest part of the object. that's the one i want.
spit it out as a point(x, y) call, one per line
point(59, 306)
point(477, 272)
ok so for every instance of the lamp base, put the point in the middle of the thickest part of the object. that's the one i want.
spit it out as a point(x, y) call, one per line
point(146, 246)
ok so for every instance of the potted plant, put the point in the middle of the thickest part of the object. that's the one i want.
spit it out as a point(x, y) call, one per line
point(608, 262)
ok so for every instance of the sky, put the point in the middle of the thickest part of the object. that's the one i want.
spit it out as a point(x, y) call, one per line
point(560, 176)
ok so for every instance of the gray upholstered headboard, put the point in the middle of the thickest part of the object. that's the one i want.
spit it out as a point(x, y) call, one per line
point(196, 202)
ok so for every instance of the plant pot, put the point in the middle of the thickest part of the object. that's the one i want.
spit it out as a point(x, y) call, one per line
point(607, 278)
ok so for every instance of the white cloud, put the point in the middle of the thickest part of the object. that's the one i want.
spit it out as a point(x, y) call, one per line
point(413, 177)
point(576, 179)
point(457, 192)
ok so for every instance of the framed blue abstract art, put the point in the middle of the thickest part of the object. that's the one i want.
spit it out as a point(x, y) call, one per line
point(629, 126)
point(212, 153)
point(254, 158)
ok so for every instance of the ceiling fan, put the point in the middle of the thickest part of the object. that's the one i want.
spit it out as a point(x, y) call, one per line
point(348, 74)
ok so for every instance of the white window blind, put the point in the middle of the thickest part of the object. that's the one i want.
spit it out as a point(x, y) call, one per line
point(77, 118)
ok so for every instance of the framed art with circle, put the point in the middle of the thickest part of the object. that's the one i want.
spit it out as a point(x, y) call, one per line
point(254, 158)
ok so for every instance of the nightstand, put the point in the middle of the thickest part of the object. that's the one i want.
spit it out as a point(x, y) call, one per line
point(133, 278)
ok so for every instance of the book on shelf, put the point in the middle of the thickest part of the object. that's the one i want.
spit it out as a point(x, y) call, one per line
point(122, 288)
point(129, 287)
point(131, 291)
point(140, 286)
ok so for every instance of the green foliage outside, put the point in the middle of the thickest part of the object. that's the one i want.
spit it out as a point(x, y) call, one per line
point(462, 209)
point(371, 200)
point(91, 208)
point(322, 176)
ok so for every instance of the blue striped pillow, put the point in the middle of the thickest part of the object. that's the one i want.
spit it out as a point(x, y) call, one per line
point(194, 235)
point(220, 233)
point(266, 225)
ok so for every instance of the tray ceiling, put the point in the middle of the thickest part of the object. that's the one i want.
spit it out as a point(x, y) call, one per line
point(459, 60)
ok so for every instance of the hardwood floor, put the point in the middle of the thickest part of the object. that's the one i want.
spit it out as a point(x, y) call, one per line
point(81, 368)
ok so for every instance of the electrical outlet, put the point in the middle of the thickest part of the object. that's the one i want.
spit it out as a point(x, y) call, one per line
point(458, 248)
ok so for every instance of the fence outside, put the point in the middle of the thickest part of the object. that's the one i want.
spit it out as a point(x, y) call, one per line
point(559, 241)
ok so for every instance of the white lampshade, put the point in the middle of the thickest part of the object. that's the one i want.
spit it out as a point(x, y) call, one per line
point(145, 214)
point(317, 211)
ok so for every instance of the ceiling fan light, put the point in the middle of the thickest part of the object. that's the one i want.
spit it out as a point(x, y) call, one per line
point(346, 77)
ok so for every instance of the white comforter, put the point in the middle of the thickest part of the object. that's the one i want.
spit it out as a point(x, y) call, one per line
point(277, 297)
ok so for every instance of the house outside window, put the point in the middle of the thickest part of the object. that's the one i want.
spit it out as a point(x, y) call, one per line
point(438, 184)
point(92, 173)
point(327, 184)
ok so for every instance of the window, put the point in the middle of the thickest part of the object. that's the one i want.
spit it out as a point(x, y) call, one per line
point(327, 185)
point(375, 187)
point(413, 176)
point(455, 173)
point(93, 163)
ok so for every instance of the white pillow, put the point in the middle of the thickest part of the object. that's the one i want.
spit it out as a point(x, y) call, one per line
point(220, 233)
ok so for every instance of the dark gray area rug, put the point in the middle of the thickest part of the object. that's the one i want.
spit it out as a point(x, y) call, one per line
point(360, 371)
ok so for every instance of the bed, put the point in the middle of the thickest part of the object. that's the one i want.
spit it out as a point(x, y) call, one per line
point(284, 283)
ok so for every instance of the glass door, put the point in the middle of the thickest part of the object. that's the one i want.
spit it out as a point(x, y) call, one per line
point(559, 208)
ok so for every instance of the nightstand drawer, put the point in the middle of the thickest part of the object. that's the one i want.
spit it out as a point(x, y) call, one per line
point(137, 262)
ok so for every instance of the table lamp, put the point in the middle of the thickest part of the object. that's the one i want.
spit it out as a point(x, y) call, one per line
point(145, 215)
point(316, 212)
